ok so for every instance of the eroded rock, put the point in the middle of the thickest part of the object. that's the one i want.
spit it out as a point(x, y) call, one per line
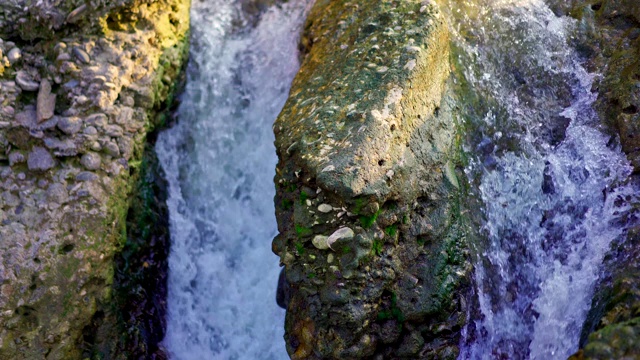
point(368, 129)
point(69, 125)
point(40, 159)
point(46, 102)
point(63, 206)
point(25, 81)
point(91, 161)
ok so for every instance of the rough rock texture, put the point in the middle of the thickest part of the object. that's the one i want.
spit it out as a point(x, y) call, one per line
point(81, 84)
point(368, 201)
point(612, 330)
point(608, 36)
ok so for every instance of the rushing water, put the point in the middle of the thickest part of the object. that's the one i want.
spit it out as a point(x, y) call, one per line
point(545, 172)
point(219, 162)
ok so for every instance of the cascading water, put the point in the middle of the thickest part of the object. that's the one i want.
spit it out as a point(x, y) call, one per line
point(219, 161)
point(547, 176)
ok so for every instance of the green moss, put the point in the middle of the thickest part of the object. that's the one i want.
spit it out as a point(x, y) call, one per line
point(288, 187)
point(377, 247)
point(421, 240)
point(368, 221)
point(299, 248)
point(286, 204)
point(303, 197)
point(359, 204)
point(302, 231)
point(391, 230)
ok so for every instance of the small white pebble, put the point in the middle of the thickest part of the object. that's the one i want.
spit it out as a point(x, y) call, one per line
point(390, 174)
point(320, 242)
point(411, 64)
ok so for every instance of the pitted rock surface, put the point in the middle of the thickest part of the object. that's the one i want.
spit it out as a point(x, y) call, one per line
point(368, 202)
point(81, 84)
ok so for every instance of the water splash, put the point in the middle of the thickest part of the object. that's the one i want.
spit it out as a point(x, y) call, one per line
point(547, 176)
point(219, 162)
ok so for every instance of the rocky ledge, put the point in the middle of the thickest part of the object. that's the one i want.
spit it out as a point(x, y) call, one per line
point(82, 83)
point(368, 197)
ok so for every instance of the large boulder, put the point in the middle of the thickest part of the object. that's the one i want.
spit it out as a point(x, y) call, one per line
point(80, 88)
point(368, 200)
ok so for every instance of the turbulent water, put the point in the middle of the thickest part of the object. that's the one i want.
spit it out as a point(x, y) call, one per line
point(219, 161)
point(547, 176)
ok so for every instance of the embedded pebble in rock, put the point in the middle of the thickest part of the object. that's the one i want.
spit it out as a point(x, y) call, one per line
point(57, 193)
point(126, 147)
point(14, 55)
point(81, 55)
point(320, 242)
point(112, 149)
point(128, 101)
point(325, 208)
point(61, 147)
point(86, 176)
point(25, 81)
point(40, 159)
point(91, 131)
point(76, 14)
point(60, 47)
point(114, 130)
point(46, 101)
point(99, 120)
point(344, 233)
point(91, 161)
point(26, 118)
point(16, 158)
point(69, 125)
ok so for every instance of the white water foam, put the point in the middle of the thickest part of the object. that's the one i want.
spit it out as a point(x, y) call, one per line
point(219, 162)
point(549, 201)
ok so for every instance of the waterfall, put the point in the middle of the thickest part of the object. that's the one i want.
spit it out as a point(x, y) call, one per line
point(219, 162)
point(547, 175)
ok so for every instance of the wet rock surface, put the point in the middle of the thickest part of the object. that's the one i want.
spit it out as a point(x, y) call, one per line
point(368, 199)
point(81, 85)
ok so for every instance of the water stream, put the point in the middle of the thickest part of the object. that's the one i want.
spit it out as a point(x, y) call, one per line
point(219, 162)
point(545, 172)
point(547, 175)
